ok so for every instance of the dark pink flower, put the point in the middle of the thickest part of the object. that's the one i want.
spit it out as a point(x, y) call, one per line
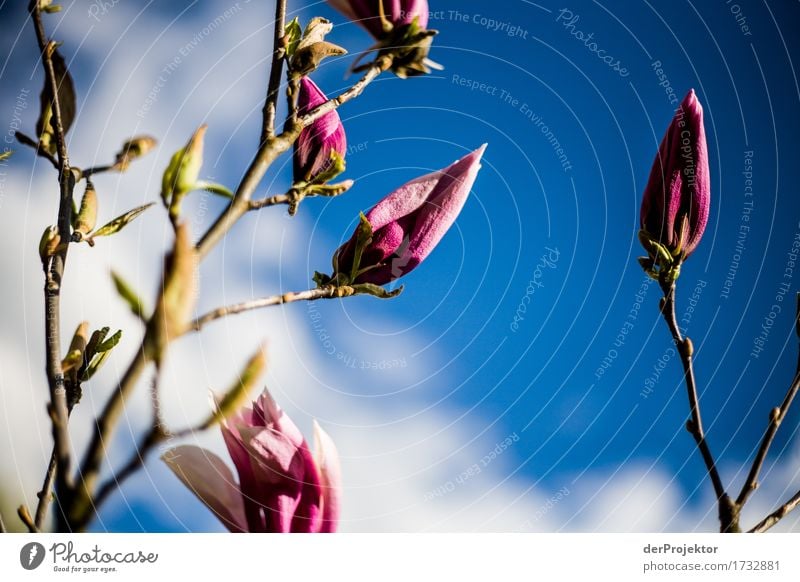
point(312, 150)
point(409, 223)
point(677, 198)
point(396, 12)
point(282, 487)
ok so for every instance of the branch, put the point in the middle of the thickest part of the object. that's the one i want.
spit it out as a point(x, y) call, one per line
point(273, 147)
point(29, 141)
point(776, 416)
point(310, 295)
point(45, 495)
point(777, 515)
point(381, 64)
point(728, 510)
point(104, 428)
point(271, 201)
point(55, 273)
point(275, 72)
point(25, 517)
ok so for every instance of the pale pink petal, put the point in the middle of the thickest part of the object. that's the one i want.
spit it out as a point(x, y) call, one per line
point(211, 481)
point(327, 460)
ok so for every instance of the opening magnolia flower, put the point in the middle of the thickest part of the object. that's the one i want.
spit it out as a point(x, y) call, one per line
point(379, 17)
point(406, 226)
point(282, 487)
point(400, 29)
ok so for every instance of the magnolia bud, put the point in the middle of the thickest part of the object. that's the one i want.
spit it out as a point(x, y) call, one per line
point(183, 170)
point(178, 295)
point(134, 148)
point(86, 219)
point(49, 242)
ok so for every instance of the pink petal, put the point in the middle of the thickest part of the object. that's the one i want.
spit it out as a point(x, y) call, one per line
point(327, 460)
point(211, 481)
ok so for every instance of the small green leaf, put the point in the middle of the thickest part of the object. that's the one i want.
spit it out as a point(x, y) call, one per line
point(67, 102)
point(376, 290)
point(120, 222)
point(217, 189)
point(293, 33)
point(363, 238)
point(108, 344)
point(5, 155)
point(129, 295)
point(335, 166)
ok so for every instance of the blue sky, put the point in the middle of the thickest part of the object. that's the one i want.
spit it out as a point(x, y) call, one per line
point(556, 235)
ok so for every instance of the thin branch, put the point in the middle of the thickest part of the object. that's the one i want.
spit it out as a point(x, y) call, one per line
point(270, 201)
point(270, 150)
point(55, 274)
point(776, 416)
point(153, 438)
point(728, 510)
point(381, 64)
point(310, 295)
point(30, 142)
point(45, 495)
point(89, 172)
point(25, 518)
point(104, 428)
point(777, 515)
point(275, 72)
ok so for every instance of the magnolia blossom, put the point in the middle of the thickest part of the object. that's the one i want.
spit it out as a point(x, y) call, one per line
point(312, 150)
point(396, 12)
point(409, 223)
point(678, 194)
point(282, 487)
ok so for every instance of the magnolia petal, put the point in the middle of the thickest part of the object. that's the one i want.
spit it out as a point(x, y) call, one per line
point(312, 150)
point(679, 182)
point(326, 458)
point(211, 481)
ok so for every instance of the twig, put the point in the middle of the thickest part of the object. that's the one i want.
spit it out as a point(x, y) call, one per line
point(270, 150)
point(153, 438)
point(89, 172)
point(271, 201)
point(310, 295)
point(104, 428)
point(776, 416)
point(381, 64)
point(45, 495)
point(29, 141)
point(55, 274)
point(25, 517)
point(728, 510)
point(777, 515)
point(275, 71)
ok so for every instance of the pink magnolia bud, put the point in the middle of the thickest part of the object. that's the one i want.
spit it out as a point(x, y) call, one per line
point(409, 223)
point(396, 13)
point(282, 487)
point(678, 194)
point(313, 150)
